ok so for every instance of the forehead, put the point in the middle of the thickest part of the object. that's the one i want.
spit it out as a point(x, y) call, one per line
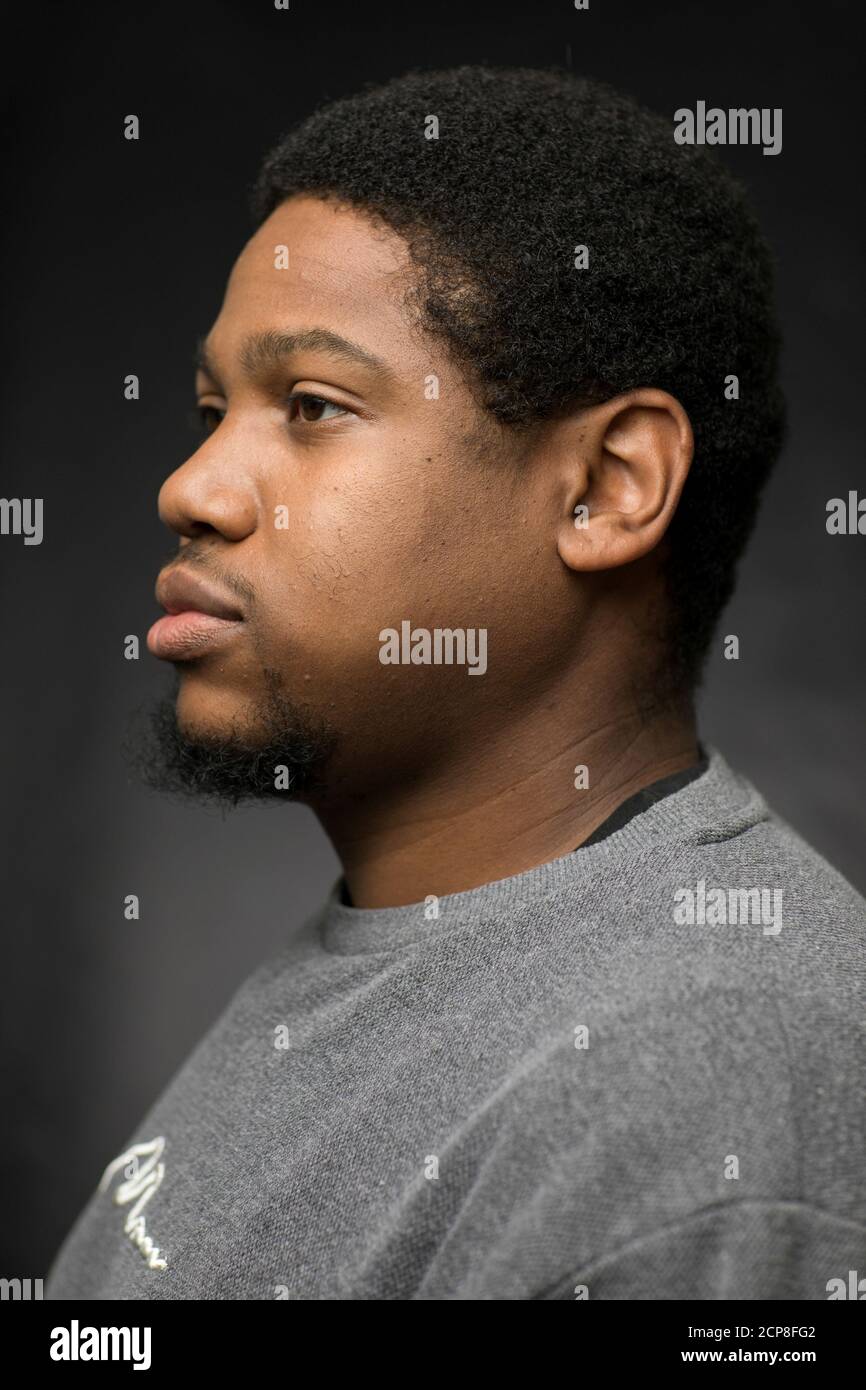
point(314, 263)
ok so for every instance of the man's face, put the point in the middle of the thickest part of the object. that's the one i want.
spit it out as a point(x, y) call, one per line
point(341, 491)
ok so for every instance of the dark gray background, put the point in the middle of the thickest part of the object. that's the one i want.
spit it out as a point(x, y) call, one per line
point(117, 256)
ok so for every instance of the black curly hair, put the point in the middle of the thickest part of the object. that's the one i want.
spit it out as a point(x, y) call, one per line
point(678, 293)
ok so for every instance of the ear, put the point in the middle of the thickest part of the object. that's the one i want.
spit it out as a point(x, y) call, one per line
point(622, 466)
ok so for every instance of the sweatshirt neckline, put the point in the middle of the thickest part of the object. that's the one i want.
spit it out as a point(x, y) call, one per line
point(717, 805)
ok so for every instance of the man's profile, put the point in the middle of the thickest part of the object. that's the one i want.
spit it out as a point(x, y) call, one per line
point(487, 412)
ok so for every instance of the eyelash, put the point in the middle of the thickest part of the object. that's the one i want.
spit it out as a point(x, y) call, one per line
point(207, 414)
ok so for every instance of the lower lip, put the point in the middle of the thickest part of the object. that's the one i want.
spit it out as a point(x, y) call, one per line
point(181, 636)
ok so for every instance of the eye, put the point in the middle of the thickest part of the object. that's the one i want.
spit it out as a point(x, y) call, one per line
point(209, 418)
point(311, 409)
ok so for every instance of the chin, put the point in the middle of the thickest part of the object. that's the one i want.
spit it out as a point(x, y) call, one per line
point(203, 712)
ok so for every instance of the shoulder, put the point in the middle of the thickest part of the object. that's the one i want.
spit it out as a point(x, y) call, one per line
point(695, 1087)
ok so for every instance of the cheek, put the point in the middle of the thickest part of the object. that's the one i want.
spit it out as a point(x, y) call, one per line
point(344, 562)
point(408, 551)
point(360, 531)
point(391, 535)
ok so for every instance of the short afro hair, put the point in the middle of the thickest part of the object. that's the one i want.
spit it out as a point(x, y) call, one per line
point(677, 295)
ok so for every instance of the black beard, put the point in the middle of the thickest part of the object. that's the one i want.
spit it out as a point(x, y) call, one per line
point(278, 741)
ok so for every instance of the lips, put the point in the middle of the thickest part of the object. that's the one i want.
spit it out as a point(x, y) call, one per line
point(198, 617)
point(179, 591)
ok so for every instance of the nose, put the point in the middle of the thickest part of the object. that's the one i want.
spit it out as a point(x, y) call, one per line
point(211, 491)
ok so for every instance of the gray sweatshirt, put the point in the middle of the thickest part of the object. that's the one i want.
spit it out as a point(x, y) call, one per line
point(634, 1072)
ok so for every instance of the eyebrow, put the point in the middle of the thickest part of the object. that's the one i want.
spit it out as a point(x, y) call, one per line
point(263, 350)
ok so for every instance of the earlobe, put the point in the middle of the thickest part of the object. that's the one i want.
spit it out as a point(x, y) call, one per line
point(621, 497)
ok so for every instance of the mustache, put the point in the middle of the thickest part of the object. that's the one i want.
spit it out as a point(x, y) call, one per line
point(202, 558)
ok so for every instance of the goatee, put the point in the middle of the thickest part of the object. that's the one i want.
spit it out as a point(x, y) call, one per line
point(278, 750)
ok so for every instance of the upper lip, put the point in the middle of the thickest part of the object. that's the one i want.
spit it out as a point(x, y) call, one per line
point(178, 591)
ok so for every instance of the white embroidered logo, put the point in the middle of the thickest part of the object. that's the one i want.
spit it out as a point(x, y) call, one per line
point(142, 1180)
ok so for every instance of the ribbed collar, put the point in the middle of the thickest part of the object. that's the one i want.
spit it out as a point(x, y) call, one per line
point(715, 806)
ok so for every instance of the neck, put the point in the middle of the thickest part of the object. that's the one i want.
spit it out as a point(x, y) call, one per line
point(507, 804)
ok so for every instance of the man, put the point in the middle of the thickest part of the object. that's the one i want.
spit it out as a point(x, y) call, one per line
point(488, 408)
